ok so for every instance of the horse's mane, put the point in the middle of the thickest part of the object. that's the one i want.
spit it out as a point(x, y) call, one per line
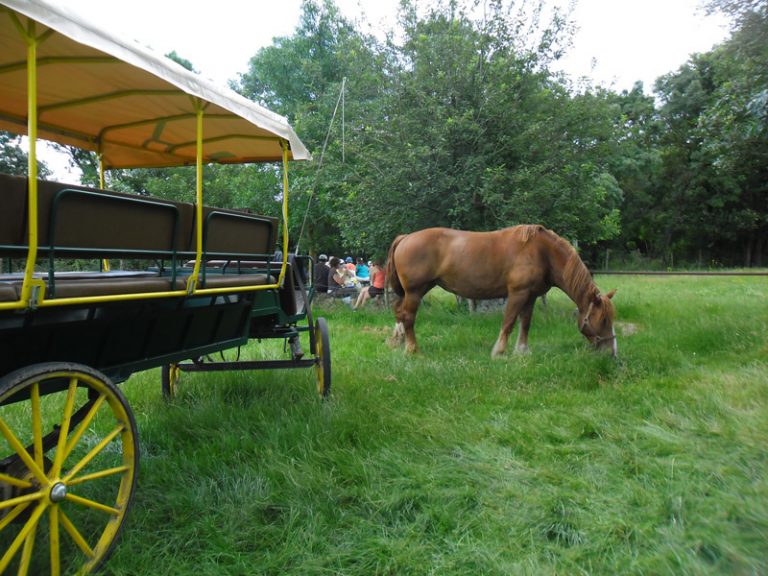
point(528, 231)
point(576, 276)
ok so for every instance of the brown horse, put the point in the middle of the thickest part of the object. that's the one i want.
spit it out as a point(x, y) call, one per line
point(521, 263)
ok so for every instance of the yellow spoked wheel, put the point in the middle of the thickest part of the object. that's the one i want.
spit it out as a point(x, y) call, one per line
point(69, 453)
point(323, 357)
point(169, 376)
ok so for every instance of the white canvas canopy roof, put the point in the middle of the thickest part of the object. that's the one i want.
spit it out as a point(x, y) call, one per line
point(135, 108)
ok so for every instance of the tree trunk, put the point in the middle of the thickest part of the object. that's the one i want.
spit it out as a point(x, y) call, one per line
point(761, 243)
point(748, 251)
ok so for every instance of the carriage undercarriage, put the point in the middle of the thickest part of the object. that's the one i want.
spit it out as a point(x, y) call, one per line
point(70, 459)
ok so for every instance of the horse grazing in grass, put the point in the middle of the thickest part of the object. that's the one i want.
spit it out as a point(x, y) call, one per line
point(521, 263)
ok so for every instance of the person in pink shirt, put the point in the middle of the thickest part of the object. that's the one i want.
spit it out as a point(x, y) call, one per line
point(376, 287)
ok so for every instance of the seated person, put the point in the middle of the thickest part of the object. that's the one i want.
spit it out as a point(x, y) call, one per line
point(362, 272)
point(377, 287)
point(321, 274)
point(339, 280)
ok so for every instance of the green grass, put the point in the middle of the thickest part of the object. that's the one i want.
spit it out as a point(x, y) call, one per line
point(557, 462)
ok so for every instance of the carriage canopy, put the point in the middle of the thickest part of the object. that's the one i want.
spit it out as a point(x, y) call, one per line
point(133, 107)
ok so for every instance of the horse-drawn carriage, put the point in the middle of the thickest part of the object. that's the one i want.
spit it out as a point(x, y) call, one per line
point(194, 279)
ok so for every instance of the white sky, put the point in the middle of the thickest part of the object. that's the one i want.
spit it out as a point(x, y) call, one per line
point(618, 42)
point(627, 40)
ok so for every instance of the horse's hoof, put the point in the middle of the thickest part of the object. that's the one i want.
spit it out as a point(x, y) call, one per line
point(522, 350)
point(498, 351)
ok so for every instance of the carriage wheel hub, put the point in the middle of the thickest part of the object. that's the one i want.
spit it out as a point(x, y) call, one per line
point(58, 492)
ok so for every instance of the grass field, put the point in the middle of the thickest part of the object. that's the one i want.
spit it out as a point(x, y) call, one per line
point(557, 462)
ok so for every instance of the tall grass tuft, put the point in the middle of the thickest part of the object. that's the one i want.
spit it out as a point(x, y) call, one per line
point(561, 461)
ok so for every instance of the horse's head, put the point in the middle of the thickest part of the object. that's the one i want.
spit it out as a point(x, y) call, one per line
point(596, 322)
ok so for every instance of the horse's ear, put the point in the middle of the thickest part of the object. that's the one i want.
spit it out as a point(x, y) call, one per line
point(597, 300)
point(610, 294)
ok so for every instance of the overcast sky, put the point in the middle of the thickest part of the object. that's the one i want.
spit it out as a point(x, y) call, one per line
point(619, 41)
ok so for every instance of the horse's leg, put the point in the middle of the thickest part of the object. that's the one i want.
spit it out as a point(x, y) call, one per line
point(526, 314)
point(515, 303)
point(398, 334)
point(407, 318)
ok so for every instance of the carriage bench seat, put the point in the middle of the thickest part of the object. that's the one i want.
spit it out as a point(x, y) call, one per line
point(226, 273)
point(82, 288)
point(85, 284)
point(233, 273)
point(76, 222)
point(7, 292)
point(235, 280)
point(81, 285)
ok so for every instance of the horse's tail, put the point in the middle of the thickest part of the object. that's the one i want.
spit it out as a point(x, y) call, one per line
point(392, 277)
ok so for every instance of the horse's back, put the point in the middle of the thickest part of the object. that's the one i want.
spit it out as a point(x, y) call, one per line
point(471, 264)
point(455, 247)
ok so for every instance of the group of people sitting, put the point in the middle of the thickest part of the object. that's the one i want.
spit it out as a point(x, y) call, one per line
point(346, 280)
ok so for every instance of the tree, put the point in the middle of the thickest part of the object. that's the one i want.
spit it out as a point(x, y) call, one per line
point(452, 126)
point(301, 77)
point(493, 138)
point(713, 193)
point(14, 160)
point(734, 127)
point(636, 164)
